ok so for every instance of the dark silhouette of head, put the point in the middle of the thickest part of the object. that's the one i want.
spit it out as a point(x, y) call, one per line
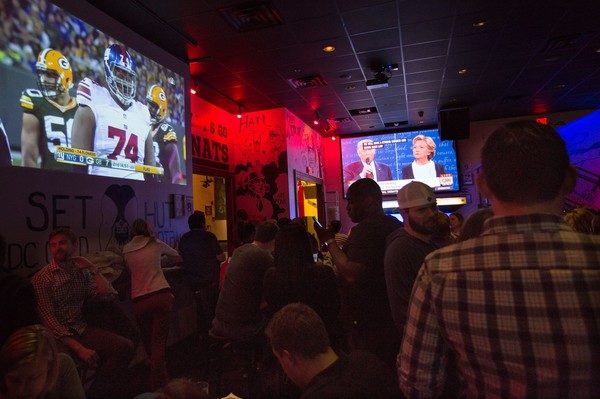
point(364, 200)
point(265, 232)
point(473, 226)
point(197, 220)
point(246, 232)
point(525, 163)
point(292, 255)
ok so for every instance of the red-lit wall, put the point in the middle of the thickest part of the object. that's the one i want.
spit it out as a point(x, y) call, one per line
point(262, 149)
point(260, 165)
point(213, 132)
point(304, 153)
point(333, 183)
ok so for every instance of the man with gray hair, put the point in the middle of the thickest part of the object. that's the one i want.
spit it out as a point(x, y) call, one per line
point(517, 307)
point(366, 167)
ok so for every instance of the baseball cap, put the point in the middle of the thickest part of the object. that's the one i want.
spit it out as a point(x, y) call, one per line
point(414, 194)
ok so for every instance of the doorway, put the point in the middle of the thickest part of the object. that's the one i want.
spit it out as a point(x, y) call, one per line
point(213, 195)
point(310, 200)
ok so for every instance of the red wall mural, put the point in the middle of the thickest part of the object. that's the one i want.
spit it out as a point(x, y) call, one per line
point(304, 146)
point(261, 167)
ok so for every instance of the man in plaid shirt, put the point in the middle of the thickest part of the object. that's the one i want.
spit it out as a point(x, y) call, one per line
point(516, 309)
point(61, 288)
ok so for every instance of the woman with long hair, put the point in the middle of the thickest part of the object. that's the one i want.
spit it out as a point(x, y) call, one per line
point(32, 368)
point(423, 167)
point(151, 294)
point(296, 277)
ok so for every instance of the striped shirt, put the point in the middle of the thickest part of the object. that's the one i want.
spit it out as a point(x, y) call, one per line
point(518, 308)
point(60, 296)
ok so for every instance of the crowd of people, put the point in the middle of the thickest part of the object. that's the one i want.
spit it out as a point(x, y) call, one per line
point(502, 303)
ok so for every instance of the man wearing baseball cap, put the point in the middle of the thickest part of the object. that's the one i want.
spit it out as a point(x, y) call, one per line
point(408, 246)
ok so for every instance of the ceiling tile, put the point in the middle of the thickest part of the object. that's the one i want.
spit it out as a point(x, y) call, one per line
point(426, 31)
point(425, 50)
point(423, 10)
point(376, 17)
point(376, 40)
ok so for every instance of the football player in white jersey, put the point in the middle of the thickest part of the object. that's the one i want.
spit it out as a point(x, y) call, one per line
point(111, 122)
point(48, 112)
point(163, 134)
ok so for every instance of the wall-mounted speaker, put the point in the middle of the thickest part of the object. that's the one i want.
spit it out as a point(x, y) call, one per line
point(454, 123)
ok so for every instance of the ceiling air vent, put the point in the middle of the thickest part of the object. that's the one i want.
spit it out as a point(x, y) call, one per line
point(363, 111)
point(252, 15)
point(396, 124)
point(307, 81)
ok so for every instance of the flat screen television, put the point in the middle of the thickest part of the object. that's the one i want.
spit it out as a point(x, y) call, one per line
point(75, 99)
point(395, 159)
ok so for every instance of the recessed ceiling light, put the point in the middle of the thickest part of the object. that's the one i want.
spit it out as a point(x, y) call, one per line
point(296, 70)
point(463, 71)
point(328, 48)
point(420, 121)
point(478, 23)
point(453, 100)
point(371, 127)
point(350, 87)
point(345, 76)
point(598, 50)
point(560, 86)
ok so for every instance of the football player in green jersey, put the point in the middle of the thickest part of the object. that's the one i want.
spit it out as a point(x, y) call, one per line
point(163, 135)
point(48, 112)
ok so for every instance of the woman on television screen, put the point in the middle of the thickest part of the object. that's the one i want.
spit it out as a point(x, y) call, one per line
point(423, 167)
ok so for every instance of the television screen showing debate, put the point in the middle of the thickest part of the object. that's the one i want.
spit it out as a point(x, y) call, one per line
point(76, 100)
point(395, 159)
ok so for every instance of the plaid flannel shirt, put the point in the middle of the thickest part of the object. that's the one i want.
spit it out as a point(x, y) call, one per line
point(518, 308)
point(60, 296)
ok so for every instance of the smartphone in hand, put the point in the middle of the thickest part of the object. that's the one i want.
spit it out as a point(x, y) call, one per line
point(314, 218)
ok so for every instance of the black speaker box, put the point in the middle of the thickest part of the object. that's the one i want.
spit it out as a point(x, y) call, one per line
point(454, 123)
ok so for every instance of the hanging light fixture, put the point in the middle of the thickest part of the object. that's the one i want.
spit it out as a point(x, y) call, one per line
point(317, 118)
point(194, 87)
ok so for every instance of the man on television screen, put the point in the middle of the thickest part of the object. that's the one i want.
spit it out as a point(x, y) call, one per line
point(366, 167)
point(111, 122)
point(48, 112)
